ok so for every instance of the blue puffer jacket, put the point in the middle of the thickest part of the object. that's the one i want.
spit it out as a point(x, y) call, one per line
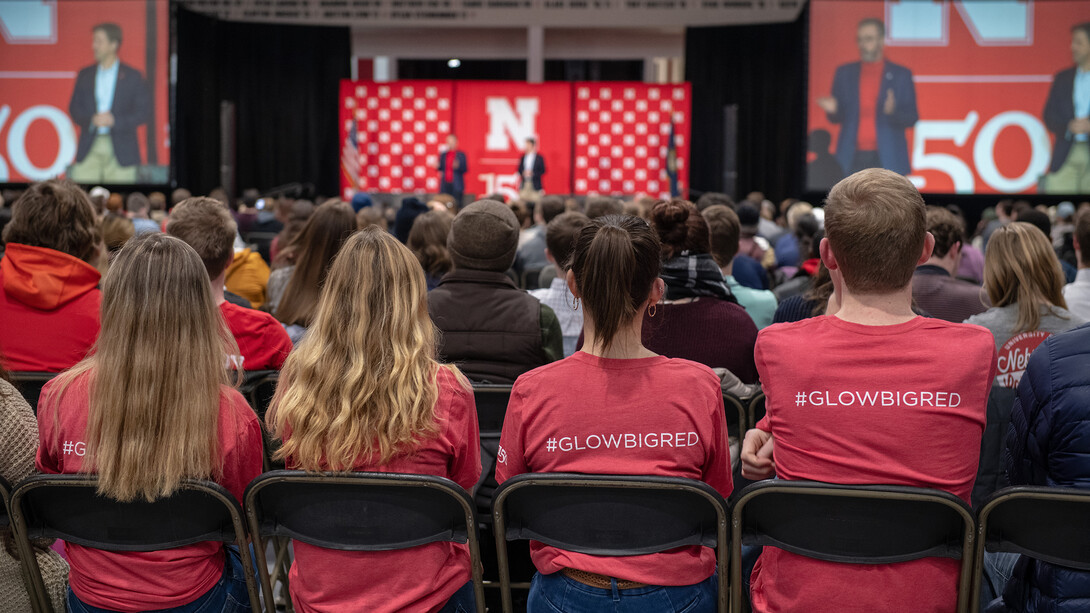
point(1048, 443)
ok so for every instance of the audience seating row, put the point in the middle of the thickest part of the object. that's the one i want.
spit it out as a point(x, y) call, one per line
point(605, 515)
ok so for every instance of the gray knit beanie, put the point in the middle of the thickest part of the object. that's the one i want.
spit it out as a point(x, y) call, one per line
point(484, 236)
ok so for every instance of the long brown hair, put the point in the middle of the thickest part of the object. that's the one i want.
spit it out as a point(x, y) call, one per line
point(361, 384)
point(155, 373)
point(615, 261)
point(428, 242)
point(1021, 267)
point(318, 243)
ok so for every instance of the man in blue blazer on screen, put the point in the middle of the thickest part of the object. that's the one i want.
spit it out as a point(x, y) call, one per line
point(110, 100)
point(874, 101)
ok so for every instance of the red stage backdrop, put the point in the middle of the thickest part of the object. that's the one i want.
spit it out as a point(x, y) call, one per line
point(623, 135)
point(44, 44)
point(596, 138)
point(982, 72)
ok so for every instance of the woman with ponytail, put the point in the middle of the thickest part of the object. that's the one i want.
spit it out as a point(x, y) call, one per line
point(612, 389)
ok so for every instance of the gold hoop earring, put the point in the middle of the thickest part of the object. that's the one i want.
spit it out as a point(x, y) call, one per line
point(652, 310)
point(575, 304)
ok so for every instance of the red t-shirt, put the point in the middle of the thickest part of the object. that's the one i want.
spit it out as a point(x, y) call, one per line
point(870, 82)
point(904, 404)
point(649, 416)
point(418, 579)
point(261, 339)
point(132, 581)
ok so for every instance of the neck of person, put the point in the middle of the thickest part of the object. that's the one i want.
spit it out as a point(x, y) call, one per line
point(949, 263)
point(108, 63)
point(1083, 264)
point(217, 288)
point(878, 309)
point(627, 342)
point(728, 270)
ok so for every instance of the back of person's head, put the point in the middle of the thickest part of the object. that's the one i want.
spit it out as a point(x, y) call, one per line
point(362, 382)
point(99, 195)
point(945, 227)
point(522, 213)
point(806, 226)
point(317, 245)
point(410, 209)
point(749, 219)
point(560, 237)
point(56, 215)
point(724, 230)
point(371, 216)
point(115, 203)
point(708, 199)
point(116, 231)
point(1082, 236)
point(875, 221)
point(178, 195)
point(484, 236)
point(550, 207)
point(681, 228)
point(1036, 218)
point(156, 372)
point(497, 196)
point(137, 202)
point(1021, 268)
point(615, 262)
point(600, 206)
point(796, 211)
point(428, 242)
point(157, 201)
point(206, 226)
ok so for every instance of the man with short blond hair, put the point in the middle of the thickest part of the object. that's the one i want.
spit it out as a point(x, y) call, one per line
point(869, 394)
point(206, 225)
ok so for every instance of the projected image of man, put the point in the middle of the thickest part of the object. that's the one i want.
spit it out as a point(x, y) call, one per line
point(109, 101)
point(874, 101)
point(1067, 115)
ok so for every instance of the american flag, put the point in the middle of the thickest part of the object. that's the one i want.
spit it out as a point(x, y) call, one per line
point(350, 157)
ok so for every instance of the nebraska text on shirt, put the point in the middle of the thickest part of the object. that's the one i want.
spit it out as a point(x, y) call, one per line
point(622, 441)
point(827, 398)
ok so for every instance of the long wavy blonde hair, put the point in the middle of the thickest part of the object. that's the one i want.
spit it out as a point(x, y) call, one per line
point(154, 373)
point(1021, 267)
point(361, 385)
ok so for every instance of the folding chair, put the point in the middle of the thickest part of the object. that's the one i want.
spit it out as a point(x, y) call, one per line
point(5, 522)
point(610, 515)
point(491, 401)
point(361, 512)
point(854, 524)
point(1045, 523)
point(67, 507)
point(756, 410)
point(30, 385)
point(734, 404)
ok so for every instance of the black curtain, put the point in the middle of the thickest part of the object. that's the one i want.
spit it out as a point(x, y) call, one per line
point(284, 83)
point(762, 69)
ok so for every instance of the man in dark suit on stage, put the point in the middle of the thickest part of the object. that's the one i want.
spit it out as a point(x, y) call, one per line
point(108, 103)
point(874, 101)
point(452, 170)
point(531, 167)
point(1067, 115)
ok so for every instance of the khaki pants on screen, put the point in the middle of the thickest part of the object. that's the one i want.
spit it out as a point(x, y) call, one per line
point(1074, 176)
point(100, 165)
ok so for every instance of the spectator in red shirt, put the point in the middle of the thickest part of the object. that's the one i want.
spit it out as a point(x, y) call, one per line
point(49, 278)
point(616, 407)
point(150, 408)
point(873, 394)
point(206, 225)
point(364, 392)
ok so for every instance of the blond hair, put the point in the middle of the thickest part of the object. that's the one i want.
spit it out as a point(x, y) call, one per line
point(876, 225)
point(362, 384)
point(155, 373)
point(1021, 267)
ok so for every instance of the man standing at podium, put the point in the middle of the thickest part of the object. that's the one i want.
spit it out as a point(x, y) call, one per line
point(452, 170)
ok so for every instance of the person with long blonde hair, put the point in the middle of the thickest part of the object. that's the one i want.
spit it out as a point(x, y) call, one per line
point(364, 392)
point(1024, 281)
point(149, 407)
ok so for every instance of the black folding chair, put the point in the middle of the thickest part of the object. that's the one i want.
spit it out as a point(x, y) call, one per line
point(1047, 524)
point(361, 512)
point(5, 522)
point(854, 524)
point(67, 507)
point(609, 515)
point(734, 405)
point(30, 385)
point(756, 410)
point(259, 386)
point(491, 401)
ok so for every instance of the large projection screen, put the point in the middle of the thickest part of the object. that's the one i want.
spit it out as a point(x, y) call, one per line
point(965, 97)
point(67, 108)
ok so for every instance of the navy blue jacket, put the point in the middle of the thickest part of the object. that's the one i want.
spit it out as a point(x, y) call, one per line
point(890, 129)
point(131, 107)
point(1059, 111)
point(1048, 444)
point(459, 171)
point(535, 172)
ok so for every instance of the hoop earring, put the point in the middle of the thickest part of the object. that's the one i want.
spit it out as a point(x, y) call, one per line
point(574, 304)
point(652, 310)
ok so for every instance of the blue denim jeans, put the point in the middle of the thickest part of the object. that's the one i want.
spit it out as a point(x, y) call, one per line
point(997, 571)
point(463, 601)
point(557, 593)
point(229, 595)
